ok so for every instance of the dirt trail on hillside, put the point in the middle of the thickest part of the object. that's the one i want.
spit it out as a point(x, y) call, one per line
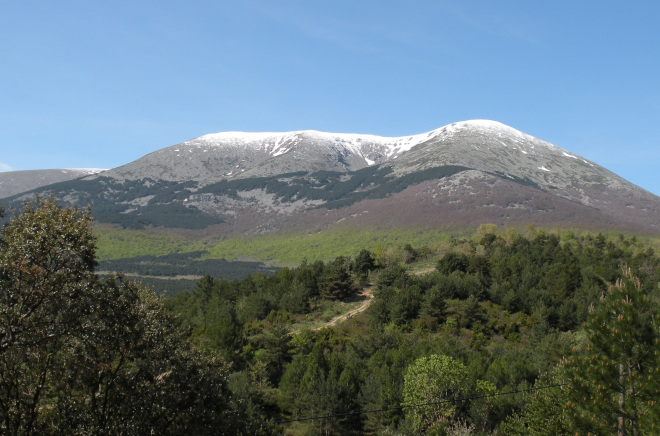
point(367, 293)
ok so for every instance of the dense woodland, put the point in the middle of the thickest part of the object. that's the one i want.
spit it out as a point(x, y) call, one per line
point(501, 310)
point(542, 333)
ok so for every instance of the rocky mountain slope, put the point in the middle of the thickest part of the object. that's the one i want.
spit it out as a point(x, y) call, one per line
point(228, 155)
point(16, 182)
point(460, 175)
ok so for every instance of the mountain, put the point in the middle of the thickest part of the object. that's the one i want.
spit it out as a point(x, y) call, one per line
point(231, 155)
point(17, 182)
point(458, 176)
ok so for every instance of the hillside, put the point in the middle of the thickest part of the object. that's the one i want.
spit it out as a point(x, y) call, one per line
point(215, 191)
point(499, 311)
point(17, 182)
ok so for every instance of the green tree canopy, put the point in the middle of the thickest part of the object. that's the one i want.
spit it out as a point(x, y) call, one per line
point(614, 383)
point(83, 356)
point(435, 388)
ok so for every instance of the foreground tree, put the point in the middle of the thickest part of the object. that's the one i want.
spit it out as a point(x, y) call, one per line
point(82, 356)
point(614, 383)
point(47, 293)
point(436, 388)
point(542, 413)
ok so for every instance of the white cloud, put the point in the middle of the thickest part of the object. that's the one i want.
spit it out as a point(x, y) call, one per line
point(4, 167)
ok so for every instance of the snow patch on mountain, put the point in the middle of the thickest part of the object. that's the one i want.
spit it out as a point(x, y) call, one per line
point(483, 145)
point(490, 127)
point(83, 171)
point(277, 144)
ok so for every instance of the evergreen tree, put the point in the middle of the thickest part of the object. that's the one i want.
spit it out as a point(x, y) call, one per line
point(364, 262)
point(615, 382)
point(337, 282)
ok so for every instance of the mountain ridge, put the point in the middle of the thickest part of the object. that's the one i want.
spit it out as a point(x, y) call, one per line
point(246, 183)
point(17, 182)
point(324, 150)
point(339, 152)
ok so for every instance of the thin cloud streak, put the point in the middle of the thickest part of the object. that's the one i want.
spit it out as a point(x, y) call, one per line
point(522, 28)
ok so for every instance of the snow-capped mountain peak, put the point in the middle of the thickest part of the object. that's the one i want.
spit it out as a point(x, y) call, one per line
point(371, 148)
point(472, 168)
point(484, 145)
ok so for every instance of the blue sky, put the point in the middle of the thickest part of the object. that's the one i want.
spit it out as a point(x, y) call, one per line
point(97, 84)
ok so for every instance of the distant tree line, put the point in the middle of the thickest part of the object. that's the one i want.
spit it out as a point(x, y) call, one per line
point(135, 204)
point(178, 264)
point(110, 202)
point(114, 201)
point(336, 189)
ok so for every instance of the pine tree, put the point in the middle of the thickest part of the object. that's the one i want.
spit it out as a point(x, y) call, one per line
point(614, 384)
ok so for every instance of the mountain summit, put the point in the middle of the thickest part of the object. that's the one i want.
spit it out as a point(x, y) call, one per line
point(483, 145)
point(457, 176)
point(228, 155)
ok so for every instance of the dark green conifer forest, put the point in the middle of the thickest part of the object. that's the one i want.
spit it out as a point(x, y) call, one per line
point(545, 333)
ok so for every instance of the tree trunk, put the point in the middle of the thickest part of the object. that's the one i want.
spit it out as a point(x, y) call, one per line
point(622, 423)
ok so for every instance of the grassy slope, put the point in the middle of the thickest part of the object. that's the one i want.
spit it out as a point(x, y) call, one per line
point(289, 250)
point(280, 249)
point(114, 243)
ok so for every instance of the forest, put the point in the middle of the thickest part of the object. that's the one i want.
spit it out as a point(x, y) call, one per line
point(501, 313)
point(503, 332)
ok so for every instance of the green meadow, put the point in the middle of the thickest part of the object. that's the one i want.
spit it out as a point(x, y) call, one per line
point(280, 248)
point(285, 249)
